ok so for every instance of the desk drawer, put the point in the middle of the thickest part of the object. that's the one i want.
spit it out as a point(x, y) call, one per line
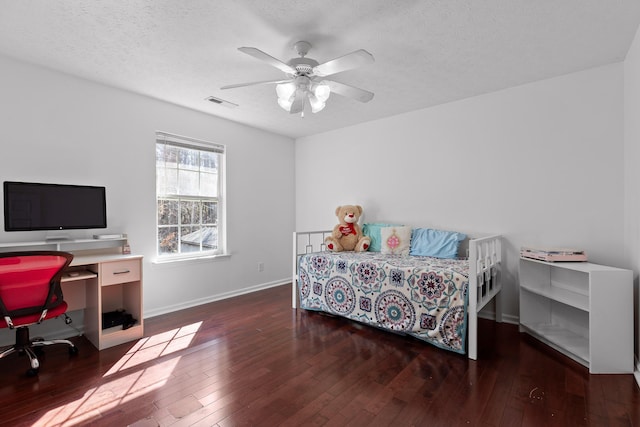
point(113, 273)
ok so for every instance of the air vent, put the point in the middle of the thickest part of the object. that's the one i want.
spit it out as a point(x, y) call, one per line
point(222, 102)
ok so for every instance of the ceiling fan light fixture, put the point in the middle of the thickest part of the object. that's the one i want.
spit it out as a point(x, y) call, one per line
point(316, 93)
point(316, 103)
point(286, 90)
point(285, 104)
point(322, 91)
point(286, 94)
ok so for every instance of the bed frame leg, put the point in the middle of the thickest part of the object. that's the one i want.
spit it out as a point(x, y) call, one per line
point(498, 299)
point(472, 334)
point(294, 275)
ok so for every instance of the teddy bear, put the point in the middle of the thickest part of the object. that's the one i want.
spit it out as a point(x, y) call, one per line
point(347, 235)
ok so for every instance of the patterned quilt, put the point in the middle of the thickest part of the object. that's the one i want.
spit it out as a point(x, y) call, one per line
point(421, 296)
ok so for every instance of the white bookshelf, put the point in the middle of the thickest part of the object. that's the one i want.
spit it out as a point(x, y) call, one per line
point(581, 309)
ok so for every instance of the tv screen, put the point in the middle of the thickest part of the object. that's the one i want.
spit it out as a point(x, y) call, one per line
point(33, 206)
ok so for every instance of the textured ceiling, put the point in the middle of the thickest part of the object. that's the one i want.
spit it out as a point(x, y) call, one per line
point(427, 52)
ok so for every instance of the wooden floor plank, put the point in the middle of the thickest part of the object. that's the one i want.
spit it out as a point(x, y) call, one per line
point(252, 360)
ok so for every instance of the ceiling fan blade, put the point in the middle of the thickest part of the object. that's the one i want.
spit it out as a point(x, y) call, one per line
point(343, 63)
point(349, 91)
point(264, 82)
point(258, 54)
point(298, 103)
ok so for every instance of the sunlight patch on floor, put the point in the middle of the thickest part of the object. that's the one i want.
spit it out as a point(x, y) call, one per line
point(128, 387)
point(158, 345)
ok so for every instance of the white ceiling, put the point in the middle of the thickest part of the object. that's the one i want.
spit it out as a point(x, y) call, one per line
point(427, 52)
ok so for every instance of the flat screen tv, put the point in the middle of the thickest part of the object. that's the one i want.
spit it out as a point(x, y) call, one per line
point(32, 206)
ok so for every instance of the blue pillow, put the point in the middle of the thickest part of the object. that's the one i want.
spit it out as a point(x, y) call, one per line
point(436, 243)
point(372, 230)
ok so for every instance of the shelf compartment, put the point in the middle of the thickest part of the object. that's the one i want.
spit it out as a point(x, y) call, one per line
point(116, 335)
point(114, 330)
point(567, 342)
point(74, 275)
point(562, 295)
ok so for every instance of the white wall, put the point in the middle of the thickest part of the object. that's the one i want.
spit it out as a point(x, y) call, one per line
point(540, 163)
point(631, 168)
point(551, 150)
point(60, 129)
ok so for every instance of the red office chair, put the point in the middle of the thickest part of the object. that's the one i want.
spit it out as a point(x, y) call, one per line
point(30, 292)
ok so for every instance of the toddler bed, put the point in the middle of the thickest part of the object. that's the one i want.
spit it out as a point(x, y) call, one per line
point(436, 300)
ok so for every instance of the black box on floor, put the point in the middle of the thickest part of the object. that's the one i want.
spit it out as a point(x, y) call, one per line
point(117, 318)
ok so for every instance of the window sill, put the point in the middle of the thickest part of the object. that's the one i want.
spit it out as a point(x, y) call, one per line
point(172, 260)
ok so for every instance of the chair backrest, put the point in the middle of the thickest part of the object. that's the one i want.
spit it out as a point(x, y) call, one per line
point(30, 281)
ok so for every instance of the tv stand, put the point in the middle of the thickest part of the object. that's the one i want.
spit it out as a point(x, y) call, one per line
point(66, 245)
point(57, 239)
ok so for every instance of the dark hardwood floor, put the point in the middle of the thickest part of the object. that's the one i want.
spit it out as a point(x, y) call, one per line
point(252, 360)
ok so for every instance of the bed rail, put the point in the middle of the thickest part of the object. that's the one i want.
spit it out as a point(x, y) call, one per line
point(485, 282)
point(305, 242)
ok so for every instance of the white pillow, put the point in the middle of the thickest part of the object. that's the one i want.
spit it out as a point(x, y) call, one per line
point(395, 240)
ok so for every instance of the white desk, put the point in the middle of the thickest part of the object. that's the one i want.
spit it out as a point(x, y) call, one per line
point(104, 283)
point(100, 279)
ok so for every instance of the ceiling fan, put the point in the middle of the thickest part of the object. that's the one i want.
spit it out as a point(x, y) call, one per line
point(306, 80)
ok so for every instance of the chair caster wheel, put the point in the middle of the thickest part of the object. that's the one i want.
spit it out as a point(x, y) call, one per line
point(31, 372)
point(73, 350)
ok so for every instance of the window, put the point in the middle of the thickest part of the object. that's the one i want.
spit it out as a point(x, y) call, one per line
point(189, 195)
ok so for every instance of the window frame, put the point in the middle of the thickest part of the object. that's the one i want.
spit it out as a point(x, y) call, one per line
point(168, 139)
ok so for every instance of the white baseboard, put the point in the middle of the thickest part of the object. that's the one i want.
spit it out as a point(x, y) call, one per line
point(213, 298)
point(636, 373)
point(51, 331)
point(63, 333)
